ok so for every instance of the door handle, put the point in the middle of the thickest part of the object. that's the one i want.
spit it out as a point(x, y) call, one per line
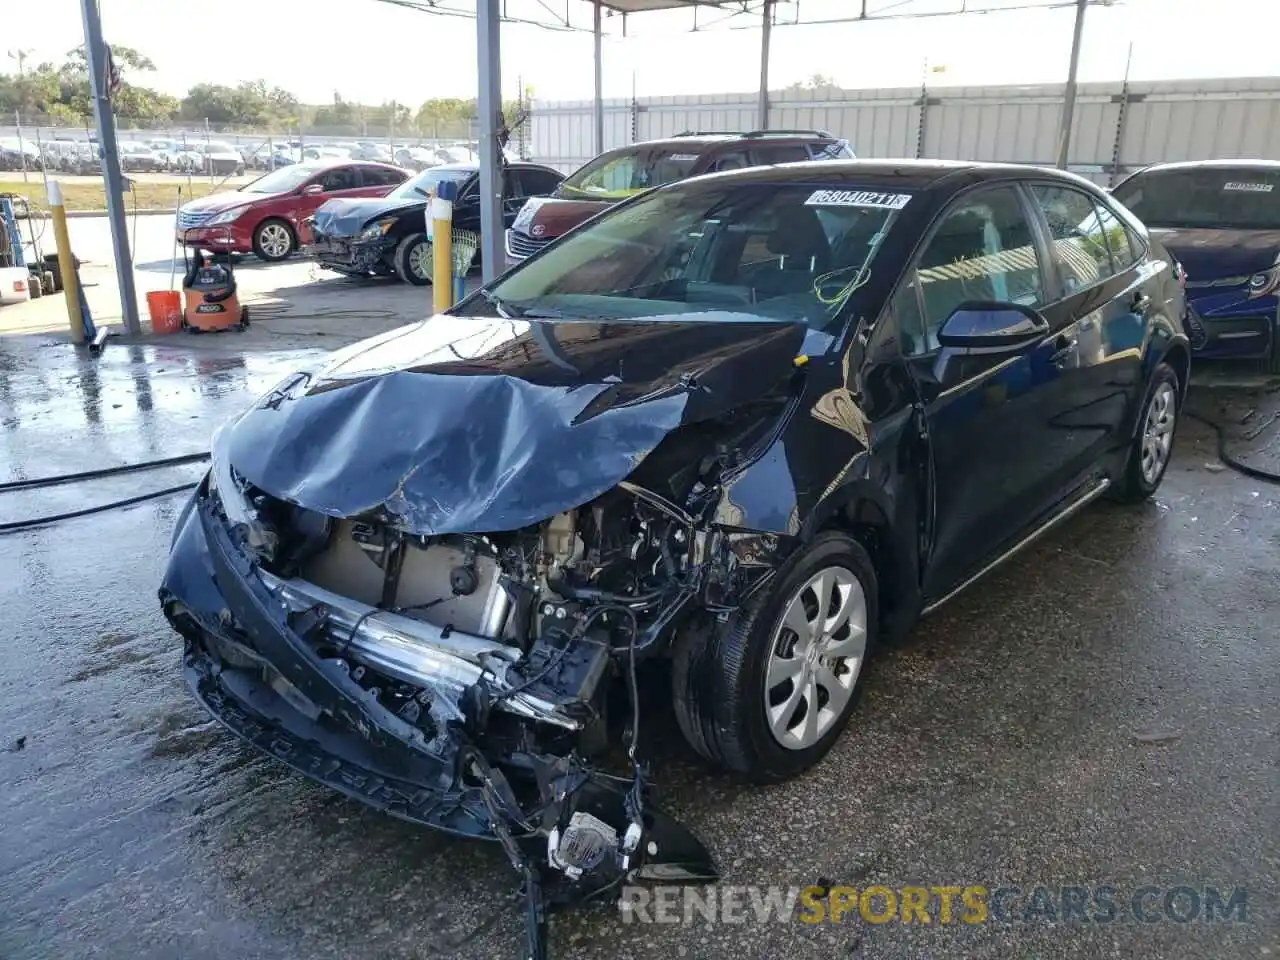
point(1063, 347)
point(1140, 302)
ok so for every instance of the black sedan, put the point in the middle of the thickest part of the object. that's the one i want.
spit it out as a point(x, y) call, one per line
point(753, 423)
point(388, 236)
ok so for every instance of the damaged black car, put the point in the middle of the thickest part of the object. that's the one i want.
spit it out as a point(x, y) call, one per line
point(751, 424)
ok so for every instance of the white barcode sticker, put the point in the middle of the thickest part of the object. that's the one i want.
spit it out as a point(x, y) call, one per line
point(858, 198)
point(1248, 187)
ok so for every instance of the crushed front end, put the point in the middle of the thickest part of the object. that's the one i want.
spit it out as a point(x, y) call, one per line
point(453, 681)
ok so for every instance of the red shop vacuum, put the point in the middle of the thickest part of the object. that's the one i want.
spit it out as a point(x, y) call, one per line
point(210, 302)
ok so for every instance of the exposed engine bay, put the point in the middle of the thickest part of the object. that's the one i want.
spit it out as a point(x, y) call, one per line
point(495, 654)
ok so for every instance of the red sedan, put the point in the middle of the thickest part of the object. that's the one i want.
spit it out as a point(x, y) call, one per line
point(264, 216)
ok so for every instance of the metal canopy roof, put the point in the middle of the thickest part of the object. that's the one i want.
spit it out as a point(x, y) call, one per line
point(644, 6)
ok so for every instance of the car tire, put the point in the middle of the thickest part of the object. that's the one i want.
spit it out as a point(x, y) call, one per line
point(51, 282)
point(738, 682)
point(274, 240)
point(35, 286)
point(1152, 446)
point(412, 259)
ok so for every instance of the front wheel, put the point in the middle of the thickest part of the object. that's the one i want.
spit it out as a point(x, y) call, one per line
point(413, 260)
point(1152, 445)
point(767, 693)
point(273, 240)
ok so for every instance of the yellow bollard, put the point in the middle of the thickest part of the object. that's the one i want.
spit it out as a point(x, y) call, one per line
point(66, 262)
point(441, 211)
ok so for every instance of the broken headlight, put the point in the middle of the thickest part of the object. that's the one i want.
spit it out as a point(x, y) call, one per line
point(377, 229)
point(229, 488)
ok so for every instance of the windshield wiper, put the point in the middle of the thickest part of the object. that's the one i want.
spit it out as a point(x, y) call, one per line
point(509, 310)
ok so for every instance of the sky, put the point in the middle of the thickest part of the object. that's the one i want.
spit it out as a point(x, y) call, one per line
point(371, 52)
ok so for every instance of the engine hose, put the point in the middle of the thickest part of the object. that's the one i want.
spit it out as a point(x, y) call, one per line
point(1236, 465)
point(18, 525)
point(39, 482)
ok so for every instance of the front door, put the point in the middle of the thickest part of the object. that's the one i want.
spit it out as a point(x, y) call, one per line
point(988, 419)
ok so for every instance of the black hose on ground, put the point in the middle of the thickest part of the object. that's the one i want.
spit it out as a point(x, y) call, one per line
point(18, 525)
point(1236, 465)
point(40, 482)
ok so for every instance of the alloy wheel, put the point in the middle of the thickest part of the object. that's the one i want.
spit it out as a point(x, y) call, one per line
point(274, 240)
point(817, 653)
point(1157, 433)
point(420, 261)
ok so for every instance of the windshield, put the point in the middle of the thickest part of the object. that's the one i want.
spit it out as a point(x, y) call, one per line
point(1238, 198)
point(625, 172)
point(282, 180)
point(779, 251)
point(427, 180)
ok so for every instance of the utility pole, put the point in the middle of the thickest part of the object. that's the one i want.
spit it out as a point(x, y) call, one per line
point(766, 31)
point(95, 52)
point(493, 256)
point(1069, 95)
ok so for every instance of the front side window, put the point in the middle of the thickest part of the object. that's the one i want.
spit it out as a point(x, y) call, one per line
point(1233, 198)
point(623, 173)
point(982, 250)
point(339, 178)
point(1078, 233)
point(776, 251)
point(430, 179)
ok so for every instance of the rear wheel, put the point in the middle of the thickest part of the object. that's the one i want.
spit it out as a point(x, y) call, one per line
point(273, 240)
point(35, 285)
point(767, 693)
point(1152, 446)
point(51, 281)
point(414, 260)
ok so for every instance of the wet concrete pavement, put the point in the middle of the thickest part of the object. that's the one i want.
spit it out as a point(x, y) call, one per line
point(1103, 710)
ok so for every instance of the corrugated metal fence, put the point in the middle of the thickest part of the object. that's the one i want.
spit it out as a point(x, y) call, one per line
point(1118, 127)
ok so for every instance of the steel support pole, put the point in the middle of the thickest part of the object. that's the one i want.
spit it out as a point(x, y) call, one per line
point(1069, 96)
point(766, 32)
point(96, 55)
point(597, 106)
point(493, 256)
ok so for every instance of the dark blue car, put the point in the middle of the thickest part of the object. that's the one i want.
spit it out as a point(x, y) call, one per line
point(1221, 220)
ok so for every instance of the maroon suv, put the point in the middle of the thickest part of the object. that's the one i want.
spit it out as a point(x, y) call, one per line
point(626, 171)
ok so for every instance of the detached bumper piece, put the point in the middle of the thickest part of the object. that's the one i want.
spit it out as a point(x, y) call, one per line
point(252, 658)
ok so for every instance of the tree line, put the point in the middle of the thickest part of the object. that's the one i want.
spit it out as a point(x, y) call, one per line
point(63, 92)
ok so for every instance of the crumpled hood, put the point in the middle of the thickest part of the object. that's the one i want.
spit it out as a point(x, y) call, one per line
point(347, 217)
point(458, 425)
point(1211, 254)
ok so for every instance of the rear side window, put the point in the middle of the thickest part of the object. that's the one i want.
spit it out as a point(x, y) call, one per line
point(1124, 246)
point(780, 153)
point(1079, 237)
point(339, 178)
point(838, 150)
point(538, 183)
point(1237, 198)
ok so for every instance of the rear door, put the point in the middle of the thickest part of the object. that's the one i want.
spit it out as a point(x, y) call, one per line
point(990, 443)
point(1106, 289)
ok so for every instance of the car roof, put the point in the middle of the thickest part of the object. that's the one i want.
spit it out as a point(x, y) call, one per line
point(899, 174)
point(472, 166)
point(1212, 165)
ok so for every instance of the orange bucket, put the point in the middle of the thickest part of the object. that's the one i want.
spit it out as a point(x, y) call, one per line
point(165, 307)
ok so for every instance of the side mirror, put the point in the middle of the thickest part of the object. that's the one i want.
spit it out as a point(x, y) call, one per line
point(312, 190)
point(991, 327)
